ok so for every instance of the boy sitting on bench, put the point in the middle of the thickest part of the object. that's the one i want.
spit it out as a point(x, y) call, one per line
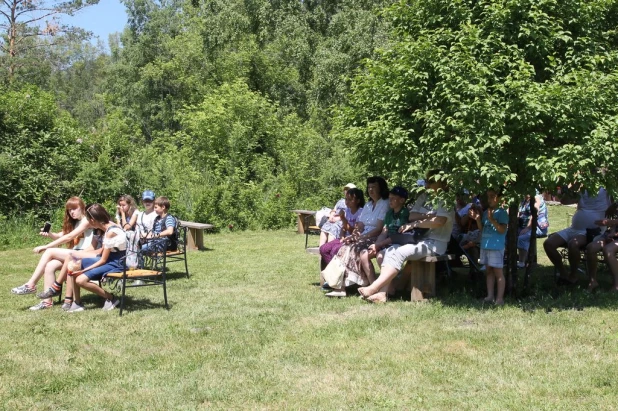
point(163, 230)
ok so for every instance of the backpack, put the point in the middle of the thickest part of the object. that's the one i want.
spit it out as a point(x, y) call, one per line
point(173, 246)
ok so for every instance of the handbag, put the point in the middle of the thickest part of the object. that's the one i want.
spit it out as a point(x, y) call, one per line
point(334, 272)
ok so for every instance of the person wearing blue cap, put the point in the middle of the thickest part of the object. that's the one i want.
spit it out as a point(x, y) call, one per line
point(434, 242)
point(145, 219)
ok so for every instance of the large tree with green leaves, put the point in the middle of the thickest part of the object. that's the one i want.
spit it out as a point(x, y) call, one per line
point(515, 92)
point(520, 94)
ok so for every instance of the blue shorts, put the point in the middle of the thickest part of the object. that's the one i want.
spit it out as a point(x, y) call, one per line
point(113, 265)
point(492, 258)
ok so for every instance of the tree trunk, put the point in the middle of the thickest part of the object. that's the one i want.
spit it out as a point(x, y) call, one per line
point(511, 268)
point(532, 256)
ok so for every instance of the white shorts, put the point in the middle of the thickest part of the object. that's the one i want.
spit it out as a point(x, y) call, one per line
point(492, 258)
point(570, 233)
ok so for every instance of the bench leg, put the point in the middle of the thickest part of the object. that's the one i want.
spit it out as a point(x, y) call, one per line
point(191, 238)
point(423, 280)
point(301, 224)
point(199, 239)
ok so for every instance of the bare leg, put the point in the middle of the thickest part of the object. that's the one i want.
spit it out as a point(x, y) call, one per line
point(50, 276)
point(551, 249)
point(575, 246)
point(609, 251)
point(77, 254)
point(50, 254)
point(499, 276)
point(490, 281)
point(387, 273)
point(367, 266)
point(74, 289)
point(591, 256)
point(83, 281)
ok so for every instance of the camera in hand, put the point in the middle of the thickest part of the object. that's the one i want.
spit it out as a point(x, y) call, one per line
point(46, 227)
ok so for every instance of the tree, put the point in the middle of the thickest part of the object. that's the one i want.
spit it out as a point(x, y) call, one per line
point(31, 25)
point(513, 93)
point(40, 151)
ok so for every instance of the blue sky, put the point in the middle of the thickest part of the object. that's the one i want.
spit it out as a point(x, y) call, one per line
point(109, 16)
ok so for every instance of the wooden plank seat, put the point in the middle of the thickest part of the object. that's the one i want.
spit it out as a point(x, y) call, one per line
point(135, 274)
point(423, 275)
point(195, 239)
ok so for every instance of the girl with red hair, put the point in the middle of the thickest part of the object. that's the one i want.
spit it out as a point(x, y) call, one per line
point(77, 234)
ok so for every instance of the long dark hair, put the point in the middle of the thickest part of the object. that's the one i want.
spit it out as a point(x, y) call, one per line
point(96, 212)
point(381, 183)
point(358, 194)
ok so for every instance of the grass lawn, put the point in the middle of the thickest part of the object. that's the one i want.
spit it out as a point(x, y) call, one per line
point(250, 329)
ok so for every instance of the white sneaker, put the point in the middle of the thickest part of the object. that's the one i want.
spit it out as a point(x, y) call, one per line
point(76, 308)
point(43, 305)
point(23, 290)
point(111, 304)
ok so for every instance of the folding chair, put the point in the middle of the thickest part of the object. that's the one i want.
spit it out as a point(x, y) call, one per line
point(152, 273)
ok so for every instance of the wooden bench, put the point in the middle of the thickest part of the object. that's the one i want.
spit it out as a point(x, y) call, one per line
point(305, 218)
point(423, 276)
point(195, 239)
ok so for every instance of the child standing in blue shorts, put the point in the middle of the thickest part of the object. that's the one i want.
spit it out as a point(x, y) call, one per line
point(493, 225)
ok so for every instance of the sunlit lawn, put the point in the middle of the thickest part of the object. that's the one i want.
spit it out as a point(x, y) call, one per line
point(251, 330)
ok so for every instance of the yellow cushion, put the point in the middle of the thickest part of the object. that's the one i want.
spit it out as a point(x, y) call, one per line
point(136, 273)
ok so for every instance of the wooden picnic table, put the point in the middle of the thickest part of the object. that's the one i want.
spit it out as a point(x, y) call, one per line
point(305, 218)
point(195, 239)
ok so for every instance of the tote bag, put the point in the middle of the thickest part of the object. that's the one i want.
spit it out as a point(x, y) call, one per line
point(334, 272)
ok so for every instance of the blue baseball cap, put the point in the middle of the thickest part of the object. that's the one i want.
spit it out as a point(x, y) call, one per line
point(148, 195)
point(399, 191)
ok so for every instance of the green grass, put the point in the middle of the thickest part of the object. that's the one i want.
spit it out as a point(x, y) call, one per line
point(250, 329)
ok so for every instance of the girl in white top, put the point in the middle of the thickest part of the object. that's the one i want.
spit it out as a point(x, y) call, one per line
point(109, 261)
point(76, 233)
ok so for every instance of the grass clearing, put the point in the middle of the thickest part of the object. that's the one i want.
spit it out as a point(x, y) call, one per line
point(250, 329)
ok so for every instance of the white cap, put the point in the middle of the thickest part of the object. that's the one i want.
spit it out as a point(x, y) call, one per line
point(349, 185)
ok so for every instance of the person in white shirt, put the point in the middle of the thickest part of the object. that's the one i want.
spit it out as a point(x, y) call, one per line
point(589, 210)
point(434, 242)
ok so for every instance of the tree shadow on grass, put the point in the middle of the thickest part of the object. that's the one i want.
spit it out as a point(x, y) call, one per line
point(543, 293)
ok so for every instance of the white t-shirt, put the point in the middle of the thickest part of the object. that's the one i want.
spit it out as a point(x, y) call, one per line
point(442, 233)
point(86, 240)
point(420, 205)
point(371, 214)
point(145, 222)
point(590, 209)
point(119, 241)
